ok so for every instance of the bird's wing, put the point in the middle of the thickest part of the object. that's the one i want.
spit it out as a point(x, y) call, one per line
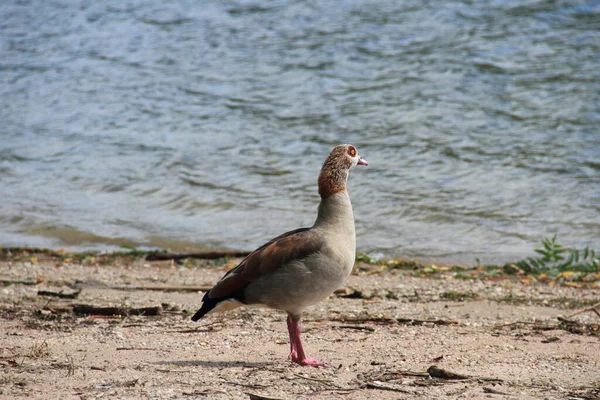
point(294, 245)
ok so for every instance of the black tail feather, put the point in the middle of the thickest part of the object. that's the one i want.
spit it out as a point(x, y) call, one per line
point(205, 309)
point(207, 305)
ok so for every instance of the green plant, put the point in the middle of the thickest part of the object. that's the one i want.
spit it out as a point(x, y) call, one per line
point(368, 259)
point(554, 258)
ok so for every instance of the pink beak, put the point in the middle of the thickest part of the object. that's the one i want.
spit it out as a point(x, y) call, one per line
point(362, 161)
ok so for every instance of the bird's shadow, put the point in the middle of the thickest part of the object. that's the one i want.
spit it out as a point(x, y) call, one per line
point(217, 364)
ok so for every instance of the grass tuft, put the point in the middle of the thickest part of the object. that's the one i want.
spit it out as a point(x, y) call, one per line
point(555, 259)
point(39, 350)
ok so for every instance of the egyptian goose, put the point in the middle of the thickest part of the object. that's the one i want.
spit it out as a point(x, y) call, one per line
point(300, 267)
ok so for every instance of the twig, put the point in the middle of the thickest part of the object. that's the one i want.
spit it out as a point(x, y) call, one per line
point(497, 380)
point(389, 320)
point(593, 308)
point(343, 291)
point(28, 282)
point(248, 385)
point(202, 256)
point(357, 327)
point(412, 321)
point(368, 318)
point(137, 348)
point(255, 396)
point(493, 391)
point(206, 327)
point(387, 386)
point(423, 374)
point(202, 392)
point(536, 325)
point(60, 294)
point(88, 309)
point(194, 330)
point(70, 366)
point(516, 323)
point(324, 381)
point(440, 373)
point(175, 370)
point(202, 288)
point(551, 339)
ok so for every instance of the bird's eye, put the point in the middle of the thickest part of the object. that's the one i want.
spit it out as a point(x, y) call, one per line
point(352, 151)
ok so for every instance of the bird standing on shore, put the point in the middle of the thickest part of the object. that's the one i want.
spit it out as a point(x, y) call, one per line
point(300, 267)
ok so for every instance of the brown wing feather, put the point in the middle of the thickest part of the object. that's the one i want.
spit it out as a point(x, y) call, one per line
point(296, 244)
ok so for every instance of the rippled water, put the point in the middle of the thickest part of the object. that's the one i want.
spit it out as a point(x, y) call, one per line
point(190, 124)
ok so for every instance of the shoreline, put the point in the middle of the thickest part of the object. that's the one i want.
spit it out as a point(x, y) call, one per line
point(118, 326)
point(575, 275)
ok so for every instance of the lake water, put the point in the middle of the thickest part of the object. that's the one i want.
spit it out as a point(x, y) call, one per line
point(190, 125)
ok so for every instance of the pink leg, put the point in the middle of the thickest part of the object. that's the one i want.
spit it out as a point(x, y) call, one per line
point(296, 351)
point(293, 350)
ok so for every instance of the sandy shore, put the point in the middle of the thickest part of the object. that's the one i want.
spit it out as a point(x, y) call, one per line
point(380, 337)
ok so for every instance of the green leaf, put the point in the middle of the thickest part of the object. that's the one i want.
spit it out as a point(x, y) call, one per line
point(542, 252)
point(570, 259)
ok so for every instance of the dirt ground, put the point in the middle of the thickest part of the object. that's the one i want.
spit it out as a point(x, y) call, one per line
point(381, 335)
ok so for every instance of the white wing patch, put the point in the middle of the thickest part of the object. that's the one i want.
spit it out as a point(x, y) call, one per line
point(226, 305)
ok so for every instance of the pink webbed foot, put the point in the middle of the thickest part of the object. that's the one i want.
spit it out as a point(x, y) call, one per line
point(311, 362)
point(307, 361)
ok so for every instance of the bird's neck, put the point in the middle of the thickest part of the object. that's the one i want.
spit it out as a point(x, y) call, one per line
point(332, 181)
point(335, 214)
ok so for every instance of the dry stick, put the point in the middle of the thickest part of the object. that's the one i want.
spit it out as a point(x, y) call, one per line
point(256, 396)
point(484, 379)
point(342, 291)
point(412, 321)
point(539, 325)
point(88, 309)
point(592, 308)
point(357, 327)
point(137, 348)
point(324, 381)
point(175, 370)
point(420, 374)
point(60, 295)
point(194, 330)
point(202, 256)
point(248, 385)
point(206, 327)
point(440, 373)
point(328, 382)
point(387, 386)
point(517, 323)
point(8, 282)
point(203, 288)
point(362, 320)
point(493, 391)
point(389, 320)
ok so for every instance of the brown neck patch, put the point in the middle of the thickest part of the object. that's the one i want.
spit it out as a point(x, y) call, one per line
point(332, 182)
point(334, 172)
